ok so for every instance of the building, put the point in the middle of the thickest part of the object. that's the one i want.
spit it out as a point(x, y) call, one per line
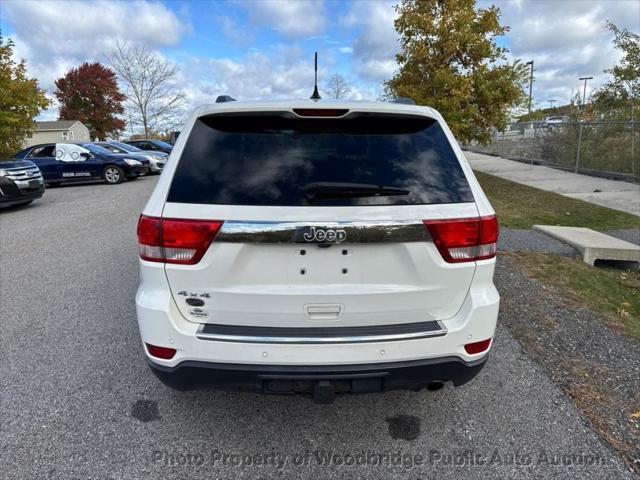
point(58, 131)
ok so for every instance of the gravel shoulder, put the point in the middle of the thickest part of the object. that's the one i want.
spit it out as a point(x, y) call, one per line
point(521, 240)
point(630, 234)
point(596, 366)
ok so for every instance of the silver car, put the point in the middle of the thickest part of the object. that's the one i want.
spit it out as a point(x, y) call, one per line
point(157, 160)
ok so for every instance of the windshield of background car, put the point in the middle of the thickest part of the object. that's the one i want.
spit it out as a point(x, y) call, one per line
point(95, 149)
point(162, 144)
point(126, 147)
point(112, 148)
point(274, 159)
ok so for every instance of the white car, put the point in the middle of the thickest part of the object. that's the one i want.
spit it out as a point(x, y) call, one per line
point(555, 121)
point(157, 160)
point(317, 247)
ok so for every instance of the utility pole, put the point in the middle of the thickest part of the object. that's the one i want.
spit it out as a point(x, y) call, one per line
point(530, 82)
point(551, 101)
point(584, 90)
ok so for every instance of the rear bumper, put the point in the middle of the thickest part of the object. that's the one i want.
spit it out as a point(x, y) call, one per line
point(280, 379)
point(161, 323)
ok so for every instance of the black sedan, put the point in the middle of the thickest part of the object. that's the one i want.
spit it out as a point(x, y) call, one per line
point(20, 182)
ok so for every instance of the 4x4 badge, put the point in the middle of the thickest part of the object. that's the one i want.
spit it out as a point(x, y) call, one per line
point(319, 235)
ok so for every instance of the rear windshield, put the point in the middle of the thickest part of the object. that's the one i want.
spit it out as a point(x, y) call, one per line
point(278, 160)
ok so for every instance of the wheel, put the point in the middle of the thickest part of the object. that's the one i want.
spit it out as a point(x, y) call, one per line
point(113, 175)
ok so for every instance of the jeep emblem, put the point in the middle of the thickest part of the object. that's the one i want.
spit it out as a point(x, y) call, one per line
point(319, 235)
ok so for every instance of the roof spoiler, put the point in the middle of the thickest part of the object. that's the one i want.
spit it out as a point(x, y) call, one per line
point(225, 98)
point(404, 100)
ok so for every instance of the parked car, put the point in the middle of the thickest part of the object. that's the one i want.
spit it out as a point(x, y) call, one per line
point(70, 162)
point(173, 137)
point(154, 145)
point(156, 159)
point(300, 246)
point(555, 121)
point(21, 182)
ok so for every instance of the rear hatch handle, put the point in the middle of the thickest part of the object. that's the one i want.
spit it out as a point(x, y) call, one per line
point(323, 311)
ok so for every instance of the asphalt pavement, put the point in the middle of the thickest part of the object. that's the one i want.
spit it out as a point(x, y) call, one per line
point(77, 399)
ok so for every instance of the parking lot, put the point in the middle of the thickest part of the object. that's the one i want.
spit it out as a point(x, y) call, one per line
point(78, 400)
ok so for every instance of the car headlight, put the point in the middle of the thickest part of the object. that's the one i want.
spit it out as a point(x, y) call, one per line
point(131, 162)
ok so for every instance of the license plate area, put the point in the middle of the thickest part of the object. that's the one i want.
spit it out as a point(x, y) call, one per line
point(324, 263)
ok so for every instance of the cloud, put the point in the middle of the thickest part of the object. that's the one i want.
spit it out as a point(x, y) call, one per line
point(236, 33)
point(566, 40)
point(283, 72)
point(376, 42)
point(300, 18)
point(263, 49)
point(56, 35)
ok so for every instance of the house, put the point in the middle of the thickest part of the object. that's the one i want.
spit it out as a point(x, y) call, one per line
point(58, 131)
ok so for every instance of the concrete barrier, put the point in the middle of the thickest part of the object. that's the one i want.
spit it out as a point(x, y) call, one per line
point(593, 245)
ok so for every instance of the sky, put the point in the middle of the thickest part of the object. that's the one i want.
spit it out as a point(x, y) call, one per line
point(264, 49)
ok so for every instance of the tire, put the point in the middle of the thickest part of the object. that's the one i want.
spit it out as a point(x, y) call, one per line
point(113, 175)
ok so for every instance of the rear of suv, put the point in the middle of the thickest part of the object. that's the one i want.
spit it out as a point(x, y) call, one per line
point(317, 247)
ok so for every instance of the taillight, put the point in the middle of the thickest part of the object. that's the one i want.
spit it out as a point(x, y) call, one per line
point(465, 239)
point(171, 240)
point(477, 347)
point(165, 353)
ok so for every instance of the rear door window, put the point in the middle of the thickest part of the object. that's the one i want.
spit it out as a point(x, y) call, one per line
point(42, 152)
point(362, 159)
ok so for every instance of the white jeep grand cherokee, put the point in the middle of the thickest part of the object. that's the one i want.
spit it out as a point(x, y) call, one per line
point(317, 247)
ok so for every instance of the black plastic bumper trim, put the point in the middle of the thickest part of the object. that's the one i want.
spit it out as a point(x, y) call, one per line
point(410, 375)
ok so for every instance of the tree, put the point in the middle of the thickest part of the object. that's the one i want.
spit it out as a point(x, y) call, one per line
point(337, 86)
point(449, 60)
point(620, 97)
point(21, 100)
point(90, 94)
point(154, 101)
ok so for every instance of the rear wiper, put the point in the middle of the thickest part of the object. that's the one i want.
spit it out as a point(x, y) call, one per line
point(319, 190)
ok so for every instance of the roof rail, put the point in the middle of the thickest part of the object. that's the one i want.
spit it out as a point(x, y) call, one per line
point(404, 100)
point(225, 98)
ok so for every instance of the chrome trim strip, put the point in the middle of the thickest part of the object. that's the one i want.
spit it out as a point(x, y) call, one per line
point(393, 337)
point(356, 232)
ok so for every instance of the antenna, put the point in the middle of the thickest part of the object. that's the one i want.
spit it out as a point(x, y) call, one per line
point(315, 95)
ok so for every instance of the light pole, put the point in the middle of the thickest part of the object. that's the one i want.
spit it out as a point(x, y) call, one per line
point(584, 90)
point(530, 82)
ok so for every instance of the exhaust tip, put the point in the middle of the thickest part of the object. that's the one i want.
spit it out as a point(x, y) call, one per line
point(435, 386)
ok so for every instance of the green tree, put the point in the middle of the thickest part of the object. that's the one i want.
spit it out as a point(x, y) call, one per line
point(620, 97)
point(89, 93)
point(449, 60)
point(21, 100)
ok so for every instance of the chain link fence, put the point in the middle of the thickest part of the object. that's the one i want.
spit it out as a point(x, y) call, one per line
point(610, 149)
